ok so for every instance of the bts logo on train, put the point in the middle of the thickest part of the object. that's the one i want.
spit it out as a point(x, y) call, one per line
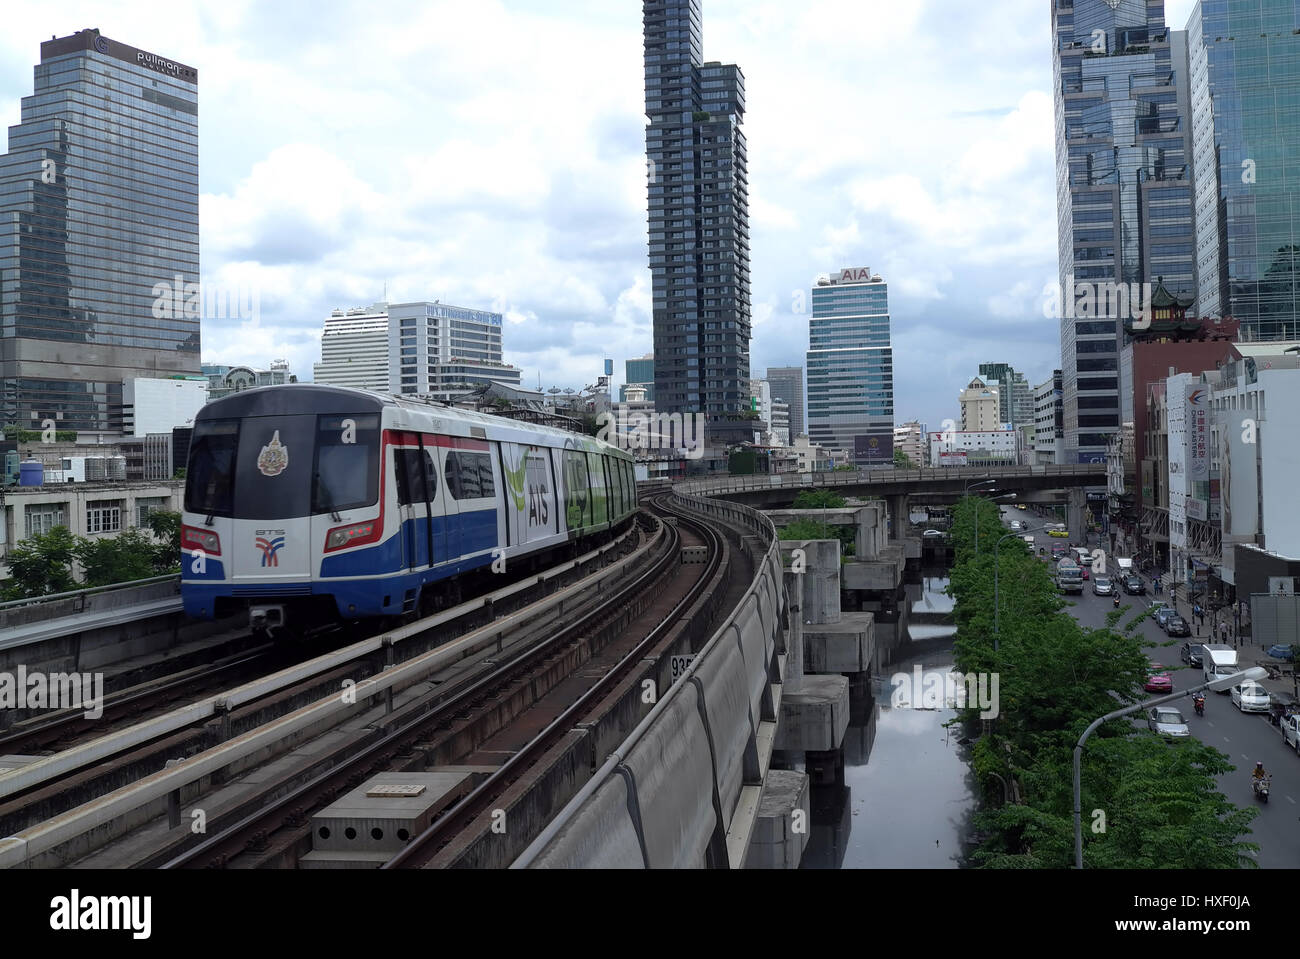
point(269, 547)
point(382, 506)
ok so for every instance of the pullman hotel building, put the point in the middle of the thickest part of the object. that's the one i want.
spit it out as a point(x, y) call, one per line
point(99, 204)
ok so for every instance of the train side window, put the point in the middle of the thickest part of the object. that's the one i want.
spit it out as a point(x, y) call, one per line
point(410, 478)
point(469, 475)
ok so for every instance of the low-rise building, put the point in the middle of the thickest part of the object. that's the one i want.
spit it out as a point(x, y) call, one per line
point(975, 448)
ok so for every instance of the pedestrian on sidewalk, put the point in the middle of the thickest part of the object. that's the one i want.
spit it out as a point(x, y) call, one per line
point(1223, 633)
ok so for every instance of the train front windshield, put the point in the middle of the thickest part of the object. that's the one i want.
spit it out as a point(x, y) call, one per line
point(277, 467)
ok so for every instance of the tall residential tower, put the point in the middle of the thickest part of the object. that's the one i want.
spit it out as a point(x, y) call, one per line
point(99, 227)
point(699, 219)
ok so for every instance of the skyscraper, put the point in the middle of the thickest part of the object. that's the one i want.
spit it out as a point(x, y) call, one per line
point(638, 372)
point(851, 367)
point(787, 384)
point(699, 218)
point(99, 224)
point(1123, 190)
point(1244, 65)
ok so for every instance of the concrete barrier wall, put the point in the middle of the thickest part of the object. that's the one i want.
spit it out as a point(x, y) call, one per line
point(42, 610)
point(674, 785)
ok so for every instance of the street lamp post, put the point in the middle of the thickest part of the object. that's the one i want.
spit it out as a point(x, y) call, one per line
point(966, 492)
point(1223, 682)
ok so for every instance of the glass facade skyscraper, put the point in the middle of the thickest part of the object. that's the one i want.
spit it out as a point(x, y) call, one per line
point(851, 365)
point(699, 218)
point(1244, 65)
point(1124, 190)
point(99, 223)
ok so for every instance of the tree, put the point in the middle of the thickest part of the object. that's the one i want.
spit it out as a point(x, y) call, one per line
point(1160, 800)
point(42, 564)
point(818, 499)
point(165, 553)
point(902, 461)
point(118, 559)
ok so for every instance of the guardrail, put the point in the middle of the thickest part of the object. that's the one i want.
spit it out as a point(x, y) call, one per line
point(89, 591)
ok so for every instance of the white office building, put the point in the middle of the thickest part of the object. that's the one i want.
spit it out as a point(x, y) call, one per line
point(161, 405)
point(975, 448)
point(419, 349)
point(980, 407)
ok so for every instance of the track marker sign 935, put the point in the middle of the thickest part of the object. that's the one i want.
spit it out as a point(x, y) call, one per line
point(679, 664)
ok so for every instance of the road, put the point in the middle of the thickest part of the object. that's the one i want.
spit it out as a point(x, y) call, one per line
point(1245, 738)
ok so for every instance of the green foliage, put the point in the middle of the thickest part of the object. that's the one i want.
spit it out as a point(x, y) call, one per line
point(165, 552)
point(180, 473)
point(41, 565)
point(845, 469)
point(818, 499)
point(117, 559)
point(12, 432)
point(902, 461)
point(1161, 801)
point(811, 529)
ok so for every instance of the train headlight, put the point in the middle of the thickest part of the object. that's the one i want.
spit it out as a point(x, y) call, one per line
point(351, 535)
point(203, 540)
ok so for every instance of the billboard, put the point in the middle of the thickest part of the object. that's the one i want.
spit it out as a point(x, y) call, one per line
point(1198, 433)
point(873, 448)
point(955, 458)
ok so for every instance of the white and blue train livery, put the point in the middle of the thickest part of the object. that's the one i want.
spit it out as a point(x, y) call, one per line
point(309, 504)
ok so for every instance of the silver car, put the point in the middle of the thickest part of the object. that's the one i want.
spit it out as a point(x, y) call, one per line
point(1167, 722)
point(1250, 697)
point(1102, 586)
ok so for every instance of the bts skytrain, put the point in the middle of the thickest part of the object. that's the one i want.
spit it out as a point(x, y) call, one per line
point(309, 504)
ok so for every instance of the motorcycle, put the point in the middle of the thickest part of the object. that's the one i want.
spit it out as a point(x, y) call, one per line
point(1261, 788)
point(1115, 601)
point(1198, 703)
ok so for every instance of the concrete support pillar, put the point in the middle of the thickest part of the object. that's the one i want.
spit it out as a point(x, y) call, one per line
point(794, 635)
point(899, 511)
point(821, 585)
point(1078, 526)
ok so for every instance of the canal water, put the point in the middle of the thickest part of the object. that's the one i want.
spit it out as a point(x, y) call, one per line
point(905, 797)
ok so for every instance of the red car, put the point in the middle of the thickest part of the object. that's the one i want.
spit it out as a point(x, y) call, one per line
point(1159, 680)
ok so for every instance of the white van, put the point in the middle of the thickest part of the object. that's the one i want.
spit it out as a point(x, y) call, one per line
point(1217, 660)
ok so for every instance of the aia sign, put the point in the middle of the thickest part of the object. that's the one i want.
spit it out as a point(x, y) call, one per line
point(856, 275)
point(269, 548)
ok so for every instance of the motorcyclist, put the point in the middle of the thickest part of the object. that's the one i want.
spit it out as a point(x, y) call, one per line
point(1115, 600)
point(1259, 772)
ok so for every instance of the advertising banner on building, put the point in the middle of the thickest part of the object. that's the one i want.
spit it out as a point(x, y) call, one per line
point(1198, 433)
point(873, 448)
point(955, 458)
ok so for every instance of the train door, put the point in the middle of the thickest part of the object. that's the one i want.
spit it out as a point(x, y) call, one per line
point(452, 538)
point(437, 535)
point(411, 506)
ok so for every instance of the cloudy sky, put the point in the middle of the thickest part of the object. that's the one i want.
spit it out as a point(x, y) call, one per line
point(490, 153)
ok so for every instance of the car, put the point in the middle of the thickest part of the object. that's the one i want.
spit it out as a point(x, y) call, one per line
point(1059, 533)
point(1134, 586)
point(1017, 526)
point(1102, 586)
point(1158, 680)
point(1280, 651)
point(1085, 570)
point(1191, 653)
point(1029, 540)
point(1291, 731)
point(1021, 506)
point(1162, 613)
point(932, 532)
point(1251, 698)
point(1177, 626)
point(1167, 722)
